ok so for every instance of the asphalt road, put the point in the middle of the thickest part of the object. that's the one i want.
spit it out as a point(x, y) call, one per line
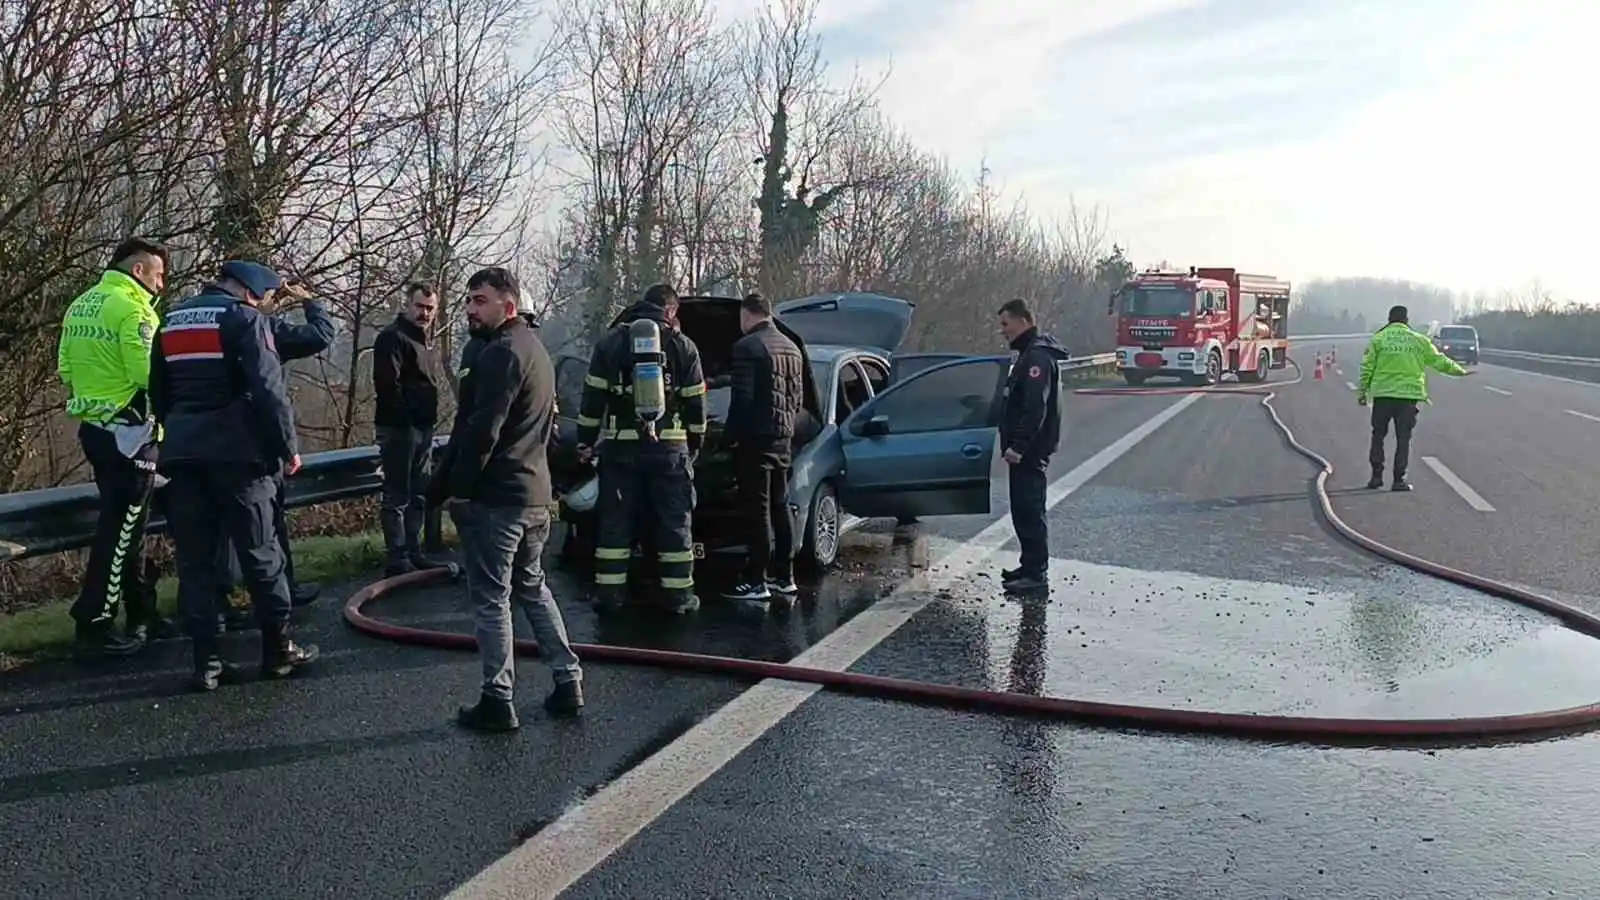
point(1190, 571)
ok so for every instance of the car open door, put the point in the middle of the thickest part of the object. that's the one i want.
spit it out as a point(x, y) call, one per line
point(905, 365)
point(925, 446)
point(570, 371)
point(849, 319)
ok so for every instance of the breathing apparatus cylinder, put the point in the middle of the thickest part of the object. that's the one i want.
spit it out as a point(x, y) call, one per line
point(649, 377)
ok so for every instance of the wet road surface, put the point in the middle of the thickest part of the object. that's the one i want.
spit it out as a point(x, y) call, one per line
point(1196, 580)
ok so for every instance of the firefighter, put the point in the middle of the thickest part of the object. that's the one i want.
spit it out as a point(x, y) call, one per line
point(644, 397)
point(1394, 377)
point(104, 360)
point(217, 386)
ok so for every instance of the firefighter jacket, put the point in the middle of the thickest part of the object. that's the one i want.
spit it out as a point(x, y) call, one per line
point(104, 354)
point(607, 413)
point(218, 386)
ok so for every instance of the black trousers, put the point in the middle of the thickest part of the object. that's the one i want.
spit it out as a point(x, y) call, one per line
point(407, 455)
point(1403, 413)
point(229, 572)
point(763, 476)
point(650, 487)
point(208, 505)
point(1028, 483)
point(115, 573)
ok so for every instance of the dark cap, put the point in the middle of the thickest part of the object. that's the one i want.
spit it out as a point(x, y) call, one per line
point(256, 278)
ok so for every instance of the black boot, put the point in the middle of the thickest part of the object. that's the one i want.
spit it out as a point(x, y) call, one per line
point(398, 566)
point(565, 699)
point(1376, 481)
point(280, 656)
point(101, 641)
point(423, 562)
point(304, 593)
point(490, 715)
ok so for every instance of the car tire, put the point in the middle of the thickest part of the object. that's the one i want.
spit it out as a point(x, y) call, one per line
point(821, 546)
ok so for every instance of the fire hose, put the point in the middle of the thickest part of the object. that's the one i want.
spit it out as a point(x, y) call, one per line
point(1275, 728)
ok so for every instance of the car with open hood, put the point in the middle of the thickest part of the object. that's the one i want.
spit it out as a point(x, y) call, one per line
point(887, 435)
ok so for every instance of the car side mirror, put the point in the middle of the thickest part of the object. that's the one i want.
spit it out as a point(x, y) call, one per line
point(877, 426)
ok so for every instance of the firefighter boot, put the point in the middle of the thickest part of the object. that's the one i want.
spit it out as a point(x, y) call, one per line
point(491, 714)
point(280, 656)
point(565, 699)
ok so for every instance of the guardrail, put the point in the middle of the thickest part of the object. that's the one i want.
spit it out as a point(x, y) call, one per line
point(1586, 362)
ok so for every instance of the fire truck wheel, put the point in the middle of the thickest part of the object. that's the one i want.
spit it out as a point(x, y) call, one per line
point(1262, 370)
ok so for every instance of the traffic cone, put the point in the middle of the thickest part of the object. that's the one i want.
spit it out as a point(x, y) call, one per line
point(1317, 375)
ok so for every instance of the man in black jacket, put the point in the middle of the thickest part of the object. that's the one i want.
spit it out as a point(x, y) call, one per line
point(768, 377)
point(496, 480)
point(406, 377)
point(1030, 431)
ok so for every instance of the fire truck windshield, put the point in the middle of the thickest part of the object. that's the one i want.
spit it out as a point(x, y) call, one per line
point(1164, 302)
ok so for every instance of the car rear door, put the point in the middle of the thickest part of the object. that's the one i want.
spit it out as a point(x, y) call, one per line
point(925, 446)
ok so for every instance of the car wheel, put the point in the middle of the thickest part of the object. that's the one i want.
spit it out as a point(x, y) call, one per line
point(822, 529)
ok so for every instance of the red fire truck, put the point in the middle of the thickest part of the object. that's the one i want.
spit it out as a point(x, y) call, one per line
point(1200, 324)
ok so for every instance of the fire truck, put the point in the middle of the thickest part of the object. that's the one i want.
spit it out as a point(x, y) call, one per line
point(1201, 324)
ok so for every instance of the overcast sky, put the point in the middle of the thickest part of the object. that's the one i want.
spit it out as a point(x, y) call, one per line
point(1449, 141)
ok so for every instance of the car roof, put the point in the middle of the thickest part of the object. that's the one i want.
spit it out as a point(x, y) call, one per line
point(831, 352)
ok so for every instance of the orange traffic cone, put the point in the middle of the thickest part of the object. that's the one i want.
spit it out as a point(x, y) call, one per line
point(1317, 375)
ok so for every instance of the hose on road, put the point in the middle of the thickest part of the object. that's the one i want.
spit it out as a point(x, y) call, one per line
point(1276, 728)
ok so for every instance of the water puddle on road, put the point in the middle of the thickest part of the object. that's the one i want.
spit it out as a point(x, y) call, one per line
point(1399, 647)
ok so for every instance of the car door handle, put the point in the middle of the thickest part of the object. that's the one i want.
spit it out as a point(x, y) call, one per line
point(971, 451)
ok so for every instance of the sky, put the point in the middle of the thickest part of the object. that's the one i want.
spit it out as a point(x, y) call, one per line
point(1444, 141)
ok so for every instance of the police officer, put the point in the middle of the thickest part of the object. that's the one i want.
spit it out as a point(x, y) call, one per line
point(104, 360)
point(293, 342)
point(1394, 377)
point(646, 466)
point(1030, 431)
point(217, 386)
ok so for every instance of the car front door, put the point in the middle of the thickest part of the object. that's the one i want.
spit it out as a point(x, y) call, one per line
point(905, 365)
point(925, 446)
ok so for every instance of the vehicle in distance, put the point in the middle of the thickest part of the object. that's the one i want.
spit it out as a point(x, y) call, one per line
point(1459, 342)
point(1201, 324)
point(887, 435)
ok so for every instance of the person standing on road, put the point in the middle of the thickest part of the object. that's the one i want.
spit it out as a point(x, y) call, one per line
point(768, 375)
point(1394, 378)
point(293, 342)
point(407, 375)
point(104, 360)
point(645, 474)
point(217, 386)
point(496, 481)
point(1030, 431)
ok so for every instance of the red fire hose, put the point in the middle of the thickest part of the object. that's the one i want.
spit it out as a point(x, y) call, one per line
point(1298, 729)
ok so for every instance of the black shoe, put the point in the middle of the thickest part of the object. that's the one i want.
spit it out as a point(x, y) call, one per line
point(212, 672)
point(424, 563)
point(1401, 484)
point(1025, 582)
point(681, 603)
point(398, 567)
point(156, 629)
point(1375, 483)
point(783, 585)
point(280, 656)
point(748, 590)
point(238, 620)
point(96, 642)
point(305, 593)
point(565, 699)
point(1010, 574)
point(490, 715)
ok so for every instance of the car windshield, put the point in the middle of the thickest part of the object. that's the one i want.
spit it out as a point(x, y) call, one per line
point(1457, 334)
point(1164, 302)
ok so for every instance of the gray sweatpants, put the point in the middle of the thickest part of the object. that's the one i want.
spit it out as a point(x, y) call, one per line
point(501, 547)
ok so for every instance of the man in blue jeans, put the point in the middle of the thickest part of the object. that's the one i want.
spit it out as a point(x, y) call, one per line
point(496, 480)
point(1030, 431)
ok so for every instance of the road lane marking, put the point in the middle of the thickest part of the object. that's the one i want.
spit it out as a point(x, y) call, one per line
point(1573, 412)
point(1545, 375)
point(1460, 487)
point(580, 840)
point(1350, 384)
point(1501, 391)
point(1338, 371)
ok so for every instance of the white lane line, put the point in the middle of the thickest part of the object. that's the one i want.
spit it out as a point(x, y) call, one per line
point(1461, 487)
point(1350, 384)
point(1573, 412)
point(569, 848)
point(1544, 375)
point(1501, 391)
point(1338, 371)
